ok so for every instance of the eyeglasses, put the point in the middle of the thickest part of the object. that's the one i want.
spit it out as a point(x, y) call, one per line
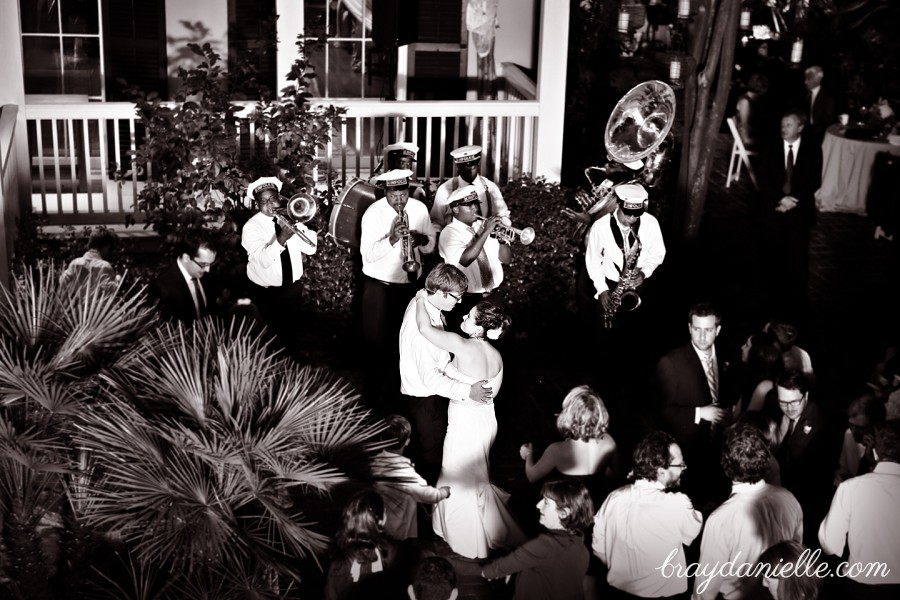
point(457, 297)
point(681, 466)
point(201, 265)
point(792, 403)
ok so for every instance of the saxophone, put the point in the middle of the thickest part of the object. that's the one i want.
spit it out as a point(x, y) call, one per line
point(624, 297)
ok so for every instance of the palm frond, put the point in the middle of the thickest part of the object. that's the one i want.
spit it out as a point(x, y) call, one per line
point(28, 310)
point(32, 379)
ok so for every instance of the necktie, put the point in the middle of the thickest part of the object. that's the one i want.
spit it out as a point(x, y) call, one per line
point(809, 103)
point(200, 303)
point(712, 378)
point(484, 267)
point(287, 272)
point(788, 170)
point(790, 431)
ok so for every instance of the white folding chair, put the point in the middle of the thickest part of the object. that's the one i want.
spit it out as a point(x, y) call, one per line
point(739, 154)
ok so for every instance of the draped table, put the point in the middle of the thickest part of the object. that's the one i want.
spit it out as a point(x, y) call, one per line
point(847, 171)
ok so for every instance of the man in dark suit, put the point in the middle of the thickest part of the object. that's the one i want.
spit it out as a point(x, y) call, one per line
point(803, 452)
point(790, 174)
point(181, 291)
point(818, 104)
point(697, 388)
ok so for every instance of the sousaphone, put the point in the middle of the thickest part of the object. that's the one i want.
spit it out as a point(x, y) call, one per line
point(636, 128)
point(639, 123)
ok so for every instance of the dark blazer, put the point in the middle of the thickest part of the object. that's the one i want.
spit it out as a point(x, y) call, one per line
point(682, 387)
point(803, 457)
point(806, 179)
point(822, 114)
point(173, 298)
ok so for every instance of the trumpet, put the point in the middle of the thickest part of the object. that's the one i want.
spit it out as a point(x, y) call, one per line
point(410, 264)
point(508, 234)
point(300, 209)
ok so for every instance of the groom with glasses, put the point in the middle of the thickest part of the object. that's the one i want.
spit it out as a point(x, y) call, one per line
point(183, 291)
point(426, 388)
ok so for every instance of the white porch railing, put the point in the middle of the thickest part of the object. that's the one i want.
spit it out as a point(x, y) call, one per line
point(76, 150)
point(9, 206)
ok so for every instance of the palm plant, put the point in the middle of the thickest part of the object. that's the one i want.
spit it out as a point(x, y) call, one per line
point(53, 340)
point(205, 448)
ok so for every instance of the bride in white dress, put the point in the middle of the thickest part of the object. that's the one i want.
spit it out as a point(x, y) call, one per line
point(475, 518)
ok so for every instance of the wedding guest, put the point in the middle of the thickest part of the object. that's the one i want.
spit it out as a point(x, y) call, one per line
point(642, 526)
point(791, 575)
point(754, 517)
point(94, 265)
point(363, 557)
point(857, 453)
point(763, 363)
point(863, 519)
point(182, 291)
point(753, 116)
point(586, 450)
point(399, 484)
point(794, 357)
point(434, 579)
point(552, 565)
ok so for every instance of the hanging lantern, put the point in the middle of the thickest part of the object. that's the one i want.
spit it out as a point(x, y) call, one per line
point(684, 9)
point(745, 18)
point(797, 52)
point(624, 17)
point(675, 66)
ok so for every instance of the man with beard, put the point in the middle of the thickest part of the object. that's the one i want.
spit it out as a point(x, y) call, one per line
point(644, 526)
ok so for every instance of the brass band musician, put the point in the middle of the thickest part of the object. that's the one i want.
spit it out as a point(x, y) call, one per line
point(468, 166)
point(402, 155)
point(396, 231)
point(467, 243)
point(275, 252)
point(615, 235)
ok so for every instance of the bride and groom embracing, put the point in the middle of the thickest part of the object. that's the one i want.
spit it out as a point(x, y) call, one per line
point(450, 401)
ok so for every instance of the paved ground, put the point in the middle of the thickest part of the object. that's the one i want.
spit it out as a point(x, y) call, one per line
point(851, 295)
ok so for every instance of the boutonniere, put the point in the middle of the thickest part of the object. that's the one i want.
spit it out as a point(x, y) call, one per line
point(807, 429)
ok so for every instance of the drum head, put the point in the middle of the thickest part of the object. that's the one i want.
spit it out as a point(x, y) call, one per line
point(345, 223)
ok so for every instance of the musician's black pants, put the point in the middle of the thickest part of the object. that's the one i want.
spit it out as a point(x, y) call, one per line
point(383, 305)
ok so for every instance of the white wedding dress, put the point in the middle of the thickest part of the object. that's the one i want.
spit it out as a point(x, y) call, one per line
point(475, 518)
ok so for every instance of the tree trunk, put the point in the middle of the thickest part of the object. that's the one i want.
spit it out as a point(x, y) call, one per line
point(712, 47)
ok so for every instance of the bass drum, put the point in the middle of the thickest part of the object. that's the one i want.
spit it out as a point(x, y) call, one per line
point(345, 224)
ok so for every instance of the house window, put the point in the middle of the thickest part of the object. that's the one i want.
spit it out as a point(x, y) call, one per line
point(62, 48)
point(341, 52)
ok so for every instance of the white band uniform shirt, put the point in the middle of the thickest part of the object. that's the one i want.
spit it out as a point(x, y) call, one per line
point(489, 197)
point(636, 529)
point(454, 240)
point(264, 252)
point(196, 289)
point(603, 258)
point(381, 260)
point(422, 363)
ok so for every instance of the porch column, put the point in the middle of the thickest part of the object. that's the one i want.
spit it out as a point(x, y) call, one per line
point(551, 87)
point(290, 24)
point(16, 185)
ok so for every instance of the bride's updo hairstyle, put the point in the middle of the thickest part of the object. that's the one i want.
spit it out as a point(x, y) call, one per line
point(584, 416)
point(494, 321)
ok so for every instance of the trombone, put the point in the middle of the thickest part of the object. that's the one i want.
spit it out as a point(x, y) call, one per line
point(300, 209)
point(507, 234)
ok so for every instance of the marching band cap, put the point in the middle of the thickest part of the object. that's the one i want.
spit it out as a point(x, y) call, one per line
point(632, 196)
point(398, 179)
point(466, 154)
point(465, 195)
point(261, 184)
point(407, 149)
